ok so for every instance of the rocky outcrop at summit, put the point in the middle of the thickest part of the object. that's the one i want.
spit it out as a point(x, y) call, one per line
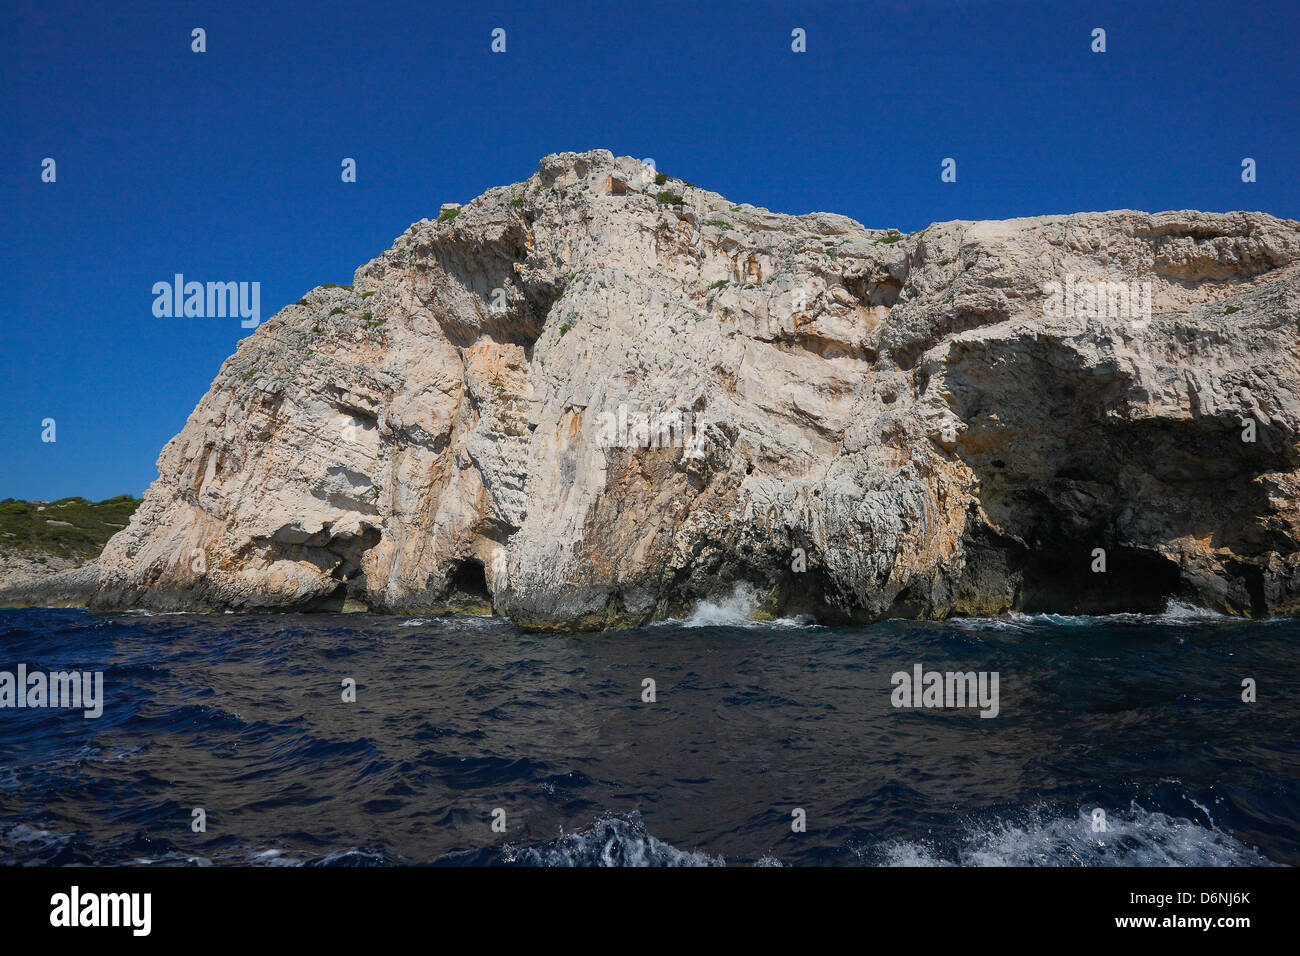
point(596, 397)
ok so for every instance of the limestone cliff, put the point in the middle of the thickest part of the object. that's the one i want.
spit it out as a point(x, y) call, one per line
point(594, 398)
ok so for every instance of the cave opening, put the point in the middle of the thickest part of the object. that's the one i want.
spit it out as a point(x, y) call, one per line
point(468, 580)
point(1061, 580)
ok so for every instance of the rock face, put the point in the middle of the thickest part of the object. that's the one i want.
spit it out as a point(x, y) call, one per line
point(66, 587)
point(20, 567)
point(593, 399)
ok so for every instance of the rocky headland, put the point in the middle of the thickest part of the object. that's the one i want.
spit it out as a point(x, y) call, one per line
point(599, 396)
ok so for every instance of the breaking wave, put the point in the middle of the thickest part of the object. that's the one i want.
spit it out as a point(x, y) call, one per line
point(740, 609)
point(737, 609)
point(1042, 837)
point(1140, 838)
point(1175, 614)
point(613, 840)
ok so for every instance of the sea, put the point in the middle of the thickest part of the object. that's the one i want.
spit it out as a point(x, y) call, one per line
point(357, 740)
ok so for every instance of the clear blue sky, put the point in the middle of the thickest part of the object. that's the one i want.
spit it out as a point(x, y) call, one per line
point(225, 165)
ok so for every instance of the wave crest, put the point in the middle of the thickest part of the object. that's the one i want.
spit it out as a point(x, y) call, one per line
point(737, 609)
point(1140, 838)
point(613, 840)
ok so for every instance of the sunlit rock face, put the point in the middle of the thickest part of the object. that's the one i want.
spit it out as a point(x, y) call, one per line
point(594, 399)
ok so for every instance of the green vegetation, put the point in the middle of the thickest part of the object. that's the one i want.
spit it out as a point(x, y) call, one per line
point(366, 295)
point(337, 310)
point(332, 285)
point(890, 239)
point(564, 328)
point(448, 215)
point(719, 284)
point(719, 223)
point(661, 178)
point(669, 199)
point(80, 530)
point(517, 201)
point(302, 301)
point(1231, 309)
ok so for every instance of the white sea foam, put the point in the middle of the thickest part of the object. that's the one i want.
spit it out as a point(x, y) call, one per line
point(23, 833)
point(274, 858)
point(1180, 611)
point(30, 841)
point(1175, 614)
point(457, 621)
point(1136, 838)
point(613, 840)
point(736, 609)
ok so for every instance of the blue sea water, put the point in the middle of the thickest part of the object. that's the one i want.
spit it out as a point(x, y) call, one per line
point(243, 716)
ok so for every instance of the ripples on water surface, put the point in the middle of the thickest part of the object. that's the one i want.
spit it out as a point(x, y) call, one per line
point(456, 716)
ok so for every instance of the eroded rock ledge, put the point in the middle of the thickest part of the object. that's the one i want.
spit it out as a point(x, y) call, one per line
point(901, 408)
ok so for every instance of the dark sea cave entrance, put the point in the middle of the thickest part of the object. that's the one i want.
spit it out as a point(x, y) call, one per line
point(467, 583)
